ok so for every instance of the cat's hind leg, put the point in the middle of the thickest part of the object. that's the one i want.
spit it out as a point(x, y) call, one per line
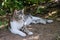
point(25, 29)
point(49, 21)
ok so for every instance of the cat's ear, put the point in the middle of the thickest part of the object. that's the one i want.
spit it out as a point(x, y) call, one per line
point(15, 11)
point(22, 10)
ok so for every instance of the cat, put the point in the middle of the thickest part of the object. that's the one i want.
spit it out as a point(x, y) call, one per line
point(33, 19)
point(19, 21)
point(17, 24)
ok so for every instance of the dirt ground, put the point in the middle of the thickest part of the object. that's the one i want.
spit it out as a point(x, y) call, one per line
point(41, 32)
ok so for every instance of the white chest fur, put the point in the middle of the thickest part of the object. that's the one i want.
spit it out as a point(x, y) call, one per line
point(16, 25)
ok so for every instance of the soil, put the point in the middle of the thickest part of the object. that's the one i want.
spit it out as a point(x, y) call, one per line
point(41, 32)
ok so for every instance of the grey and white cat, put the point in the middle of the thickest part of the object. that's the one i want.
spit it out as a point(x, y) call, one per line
point(17, 24)
point(19, 21)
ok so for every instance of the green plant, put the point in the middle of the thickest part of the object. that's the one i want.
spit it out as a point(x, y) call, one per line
point(12, 4)
point(2, 12)
point(0, 23)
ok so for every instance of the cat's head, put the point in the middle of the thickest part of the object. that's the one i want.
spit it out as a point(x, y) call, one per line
point(18, 14)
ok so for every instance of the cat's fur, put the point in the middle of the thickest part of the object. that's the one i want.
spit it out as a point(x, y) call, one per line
point(19, 21)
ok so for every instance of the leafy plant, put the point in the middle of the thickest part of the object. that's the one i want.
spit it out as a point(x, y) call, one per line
point(2, 12)
point(0, 23)
point(12, 4)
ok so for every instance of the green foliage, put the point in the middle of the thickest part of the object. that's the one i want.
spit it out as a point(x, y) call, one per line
point(0, 23)
point(32, 1)
point(40, 10)
point(10, 5)
point(3, 22)
point(2, 12)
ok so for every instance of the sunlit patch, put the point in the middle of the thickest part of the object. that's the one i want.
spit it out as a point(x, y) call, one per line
point(32, 38)
point(3, 26)
point(30, 28)
point(41, 7)
point(36, 37)
point(24, 39)
point(54, 12)
point(50, 14)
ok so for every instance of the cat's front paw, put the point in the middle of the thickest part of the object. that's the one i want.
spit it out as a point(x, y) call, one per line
point(30, 33)
point(23, 35)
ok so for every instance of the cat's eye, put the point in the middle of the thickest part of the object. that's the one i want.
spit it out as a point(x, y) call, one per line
point(18, 13)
